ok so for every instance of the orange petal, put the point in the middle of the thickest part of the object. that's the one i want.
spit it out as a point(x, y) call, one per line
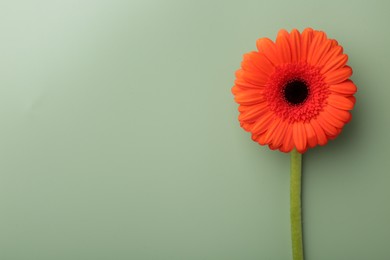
point(270, 135)
point(280, 134)
point(283, 46)
point(263, 123)
point(330, 55)
point(329, 129)
point(335, 63)
point(338, 76)
point(347, 88)
point(246, 126)
point(254, 113)
point(331, 119)
point(334, 137)
point(311, 135)
point(266, 46)
point(352, 99)
point(321, 136)
point(322, 50)
point(249, 63)
point(243, 108)
point(299, 136)
point(288, 143)
point(260, 138)
point(249, 98)
point(307, 37)
point(295, 45)
point(318, 39)
point(334, 43)
point(273, 147)
point(260, 61)
point(240, 82)
point(342, 115)
point(254, 78)
point(235, 89)
point(340, 102)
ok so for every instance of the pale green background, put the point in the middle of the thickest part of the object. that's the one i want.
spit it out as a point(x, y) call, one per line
point(119, 136)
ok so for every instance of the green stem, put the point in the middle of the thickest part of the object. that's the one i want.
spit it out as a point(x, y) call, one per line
point(295, 205)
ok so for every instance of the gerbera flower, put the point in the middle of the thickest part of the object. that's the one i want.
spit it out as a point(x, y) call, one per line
point(296, 92)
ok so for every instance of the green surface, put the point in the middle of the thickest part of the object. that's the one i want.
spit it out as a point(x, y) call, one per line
point(119, 135)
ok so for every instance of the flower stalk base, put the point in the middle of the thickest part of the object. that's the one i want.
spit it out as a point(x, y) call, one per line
point(295, 204)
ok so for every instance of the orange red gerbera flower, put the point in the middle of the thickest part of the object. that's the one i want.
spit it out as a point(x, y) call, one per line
point(296, 92)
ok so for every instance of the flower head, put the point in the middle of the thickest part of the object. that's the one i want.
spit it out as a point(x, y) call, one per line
point(296, 92)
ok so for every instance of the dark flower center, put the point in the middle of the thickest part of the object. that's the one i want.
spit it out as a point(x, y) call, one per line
point(295, 92)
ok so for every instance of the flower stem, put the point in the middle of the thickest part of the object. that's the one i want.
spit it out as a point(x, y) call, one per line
point(295, 205)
